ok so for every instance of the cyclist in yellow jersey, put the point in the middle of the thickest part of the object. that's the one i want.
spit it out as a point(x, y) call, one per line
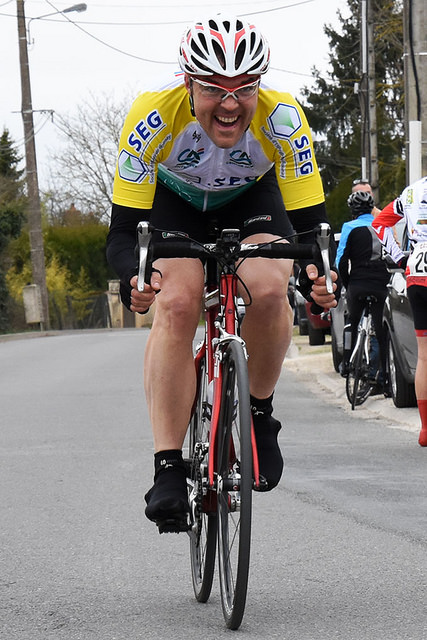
point(215, 143)
point(188, 156)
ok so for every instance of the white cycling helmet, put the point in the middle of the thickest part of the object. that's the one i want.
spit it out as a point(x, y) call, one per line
point(225, 45)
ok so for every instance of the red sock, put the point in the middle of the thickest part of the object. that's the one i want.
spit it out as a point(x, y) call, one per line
point(422, 408)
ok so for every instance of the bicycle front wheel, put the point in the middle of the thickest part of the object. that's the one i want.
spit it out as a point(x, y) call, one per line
point(234, 485)
point(357, 385)
point(203, 519)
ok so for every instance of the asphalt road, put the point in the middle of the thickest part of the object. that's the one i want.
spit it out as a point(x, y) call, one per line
point(339, 548)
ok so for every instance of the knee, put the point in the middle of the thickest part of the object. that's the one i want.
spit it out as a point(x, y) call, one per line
point(177, 312)
point(271, 298)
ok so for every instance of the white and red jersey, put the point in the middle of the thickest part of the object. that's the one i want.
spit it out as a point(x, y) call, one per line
point(411, 206)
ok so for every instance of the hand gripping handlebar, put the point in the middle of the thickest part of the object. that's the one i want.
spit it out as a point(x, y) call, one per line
point(144, 231)
point(323, 236)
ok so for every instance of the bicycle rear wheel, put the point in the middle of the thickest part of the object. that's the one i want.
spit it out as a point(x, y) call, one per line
point(234, 485)
point(357, 385)
point(203, 521)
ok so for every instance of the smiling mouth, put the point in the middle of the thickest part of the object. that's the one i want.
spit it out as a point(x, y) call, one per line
point(226, 122)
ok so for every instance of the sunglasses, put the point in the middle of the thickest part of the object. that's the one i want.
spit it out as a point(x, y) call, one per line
point(218, 94)
point(360, 181)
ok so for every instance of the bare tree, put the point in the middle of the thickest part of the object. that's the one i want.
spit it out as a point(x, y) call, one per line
point(84, 169)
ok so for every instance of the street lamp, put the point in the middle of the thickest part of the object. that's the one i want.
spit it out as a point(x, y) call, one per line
point(76, 7)
point(34, 210)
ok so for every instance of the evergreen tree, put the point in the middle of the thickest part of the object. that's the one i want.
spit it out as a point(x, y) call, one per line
point(12, 212)
point(334, 113)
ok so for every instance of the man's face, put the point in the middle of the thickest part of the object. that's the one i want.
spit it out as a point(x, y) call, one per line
point(224, 121)
point(362, 186)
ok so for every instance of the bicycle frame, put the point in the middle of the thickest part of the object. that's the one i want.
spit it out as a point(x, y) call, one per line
point(221, 326)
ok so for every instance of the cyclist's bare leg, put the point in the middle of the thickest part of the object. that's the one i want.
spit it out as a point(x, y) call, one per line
point(421, 372)
point(421, 387)
point(267, 331)
point(169, 378)
point(169, 373)
point(268, 323)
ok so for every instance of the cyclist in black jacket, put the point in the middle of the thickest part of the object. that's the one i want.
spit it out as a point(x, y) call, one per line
point(363, 273)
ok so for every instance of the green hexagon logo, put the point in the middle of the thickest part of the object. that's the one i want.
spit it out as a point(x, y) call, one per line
point(284, 121)
point(131, 168)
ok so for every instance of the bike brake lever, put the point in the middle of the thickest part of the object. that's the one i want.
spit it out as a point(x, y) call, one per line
point(323, 235)
point(144, 231)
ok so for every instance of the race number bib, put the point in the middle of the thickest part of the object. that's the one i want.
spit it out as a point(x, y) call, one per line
point(417, 262)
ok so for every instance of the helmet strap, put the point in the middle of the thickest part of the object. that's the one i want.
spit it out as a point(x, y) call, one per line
point(193, 113)
point(190, 97)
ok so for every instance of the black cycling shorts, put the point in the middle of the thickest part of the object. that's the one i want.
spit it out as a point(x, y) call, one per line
point(417, 296)
point(258, 209)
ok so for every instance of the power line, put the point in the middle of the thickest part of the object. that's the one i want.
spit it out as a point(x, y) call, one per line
point(165, 62)
point(157, 61)
point(180, 6)
point(160, 22)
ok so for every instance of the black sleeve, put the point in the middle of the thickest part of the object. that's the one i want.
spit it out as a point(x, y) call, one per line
point(305, 220)
point(121, 245)
point(343, 265)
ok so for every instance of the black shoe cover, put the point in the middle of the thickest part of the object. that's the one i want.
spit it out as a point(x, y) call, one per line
point(269, 455)
point(167, 500)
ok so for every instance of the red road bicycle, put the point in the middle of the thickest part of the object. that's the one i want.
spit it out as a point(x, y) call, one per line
point(222, 456)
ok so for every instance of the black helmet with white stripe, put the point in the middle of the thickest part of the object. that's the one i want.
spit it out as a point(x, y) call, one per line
point(360, 202)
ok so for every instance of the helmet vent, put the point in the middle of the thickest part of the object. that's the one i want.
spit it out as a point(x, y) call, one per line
point(240, 53)
point(219, 53)
point(197, 50)
point(200, 66)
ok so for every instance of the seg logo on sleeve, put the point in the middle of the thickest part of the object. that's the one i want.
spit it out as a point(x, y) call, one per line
point(285, 122)
point(131, 168)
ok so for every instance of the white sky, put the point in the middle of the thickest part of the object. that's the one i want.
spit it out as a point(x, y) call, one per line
point(112, 55)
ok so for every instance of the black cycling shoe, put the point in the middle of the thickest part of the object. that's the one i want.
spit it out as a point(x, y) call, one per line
point(387, 389)
point(269, 454)
point(167, 500)
point(344, 369)
point(376, 387)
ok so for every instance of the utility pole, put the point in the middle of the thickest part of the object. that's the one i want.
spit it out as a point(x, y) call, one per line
point(35, 218)
point(367, 98)
point(415, 74)
point(362, 91)
point(372, 105)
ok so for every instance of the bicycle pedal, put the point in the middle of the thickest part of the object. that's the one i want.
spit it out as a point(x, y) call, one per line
point(173, 525)
point(262, 486)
